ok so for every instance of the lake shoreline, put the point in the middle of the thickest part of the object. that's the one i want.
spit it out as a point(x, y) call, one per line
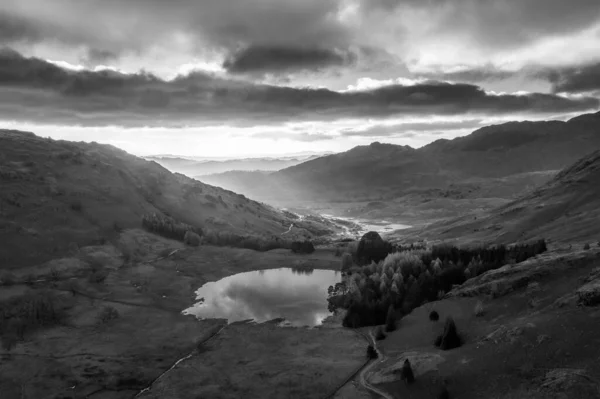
point(150, 332)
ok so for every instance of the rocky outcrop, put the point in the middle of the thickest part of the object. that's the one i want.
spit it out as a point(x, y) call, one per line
point(589, 293)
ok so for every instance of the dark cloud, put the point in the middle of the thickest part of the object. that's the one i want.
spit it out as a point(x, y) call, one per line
point(499, 23)
point(15, 29)
point(278, 59)
point(580, 79)
point(37, 91)
point(218, 24)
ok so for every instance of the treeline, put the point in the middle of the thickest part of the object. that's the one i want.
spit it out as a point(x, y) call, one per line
point(407, 279)
point(170, 228)
point(167, 226)
point(22, 315)
point(302, 247)
point(228, 239)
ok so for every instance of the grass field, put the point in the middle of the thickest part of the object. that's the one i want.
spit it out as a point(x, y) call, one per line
point(265, 361)
point(532, 342)
point(88, 356)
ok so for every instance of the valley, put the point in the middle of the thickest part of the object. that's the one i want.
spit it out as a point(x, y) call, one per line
point(106, 292)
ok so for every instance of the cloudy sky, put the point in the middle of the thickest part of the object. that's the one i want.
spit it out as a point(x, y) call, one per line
point(256, 77)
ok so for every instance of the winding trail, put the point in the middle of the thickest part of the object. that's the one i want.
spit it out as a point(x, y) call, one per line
point(149, 387)
point(290, 229)
point(362, 377)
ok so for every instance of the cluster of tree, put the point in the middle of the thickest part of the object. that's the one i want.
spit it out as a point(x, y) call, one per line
point(21, 315)
point(488, 257)
point(372, 248)
point(411, 247)
point(228, 239)
point(191, 235)
point(405, 280)
point(303, 247)
point(167, 226)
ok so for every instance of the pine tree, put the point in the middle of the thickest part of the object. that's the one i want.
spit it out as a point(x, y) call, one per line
point(390, 320)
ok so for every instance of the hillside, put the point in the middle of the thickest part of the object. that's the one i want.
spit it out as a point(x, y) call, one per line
point(507, 152)
point(563, 209)
point(58, 195)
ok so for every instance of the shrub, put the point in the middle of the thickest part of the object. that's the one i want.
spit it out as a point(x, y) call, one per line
point(434, 316)
point(77, 206)
point(371, 352)
point(98, 276)
point(586, 247)
point(303, 247)
point(9, 341)
point(479, 309)
point(379, 335)
point(494, 289)
point(107, 314)
point(94, 264)
point(28, 312)
point(7, 278)
point(444, 394)
point(117, 227)
point(449, 338)
point(72, 286)
point(406, 373)
point(191, 238)
point(390, 320)
point(30, 279)
point(54, 274)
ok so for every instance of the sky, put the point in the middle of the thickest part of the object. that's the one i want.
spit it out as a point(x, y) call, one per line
point(259, 77)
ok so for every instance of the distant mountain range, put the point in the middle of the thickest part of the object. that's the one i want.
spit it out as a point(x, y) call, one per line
point(510, 155)
point(198, 166)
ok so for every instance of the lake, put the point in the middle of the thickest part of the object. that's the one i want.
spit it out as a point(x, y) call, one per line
point(382, 227)
point(300, 297)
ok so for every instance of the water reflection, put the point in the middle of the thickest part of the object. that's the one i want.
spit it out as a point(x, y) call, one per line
point(303, 270)
point(298, 295)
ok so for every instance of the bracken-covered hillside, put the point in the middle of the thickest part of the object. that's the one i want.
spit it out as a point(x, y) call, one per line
point(58, 195)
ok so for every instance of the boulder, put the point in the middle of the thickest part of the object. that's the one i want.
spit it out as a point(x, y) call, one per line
point(589, 294)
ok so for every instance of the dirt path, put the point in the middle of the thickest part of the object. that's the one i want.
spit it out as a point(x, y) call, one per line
point(290, 229)
point(149, 387)
point(362, 376)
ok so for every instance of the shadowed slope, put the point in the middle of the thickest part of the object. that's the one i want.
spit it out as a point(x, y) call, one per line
point(58, 195)
point(564, 209)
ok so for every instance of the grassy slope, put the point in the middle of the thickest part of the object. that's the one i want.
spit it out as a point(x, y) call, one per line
point(564, 209)
point(58, 195)
point(527, 334)
point(121, 357)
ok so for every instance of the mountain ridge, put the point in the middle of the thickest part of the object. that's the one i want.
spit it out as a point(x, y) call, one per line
point(379, 169)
